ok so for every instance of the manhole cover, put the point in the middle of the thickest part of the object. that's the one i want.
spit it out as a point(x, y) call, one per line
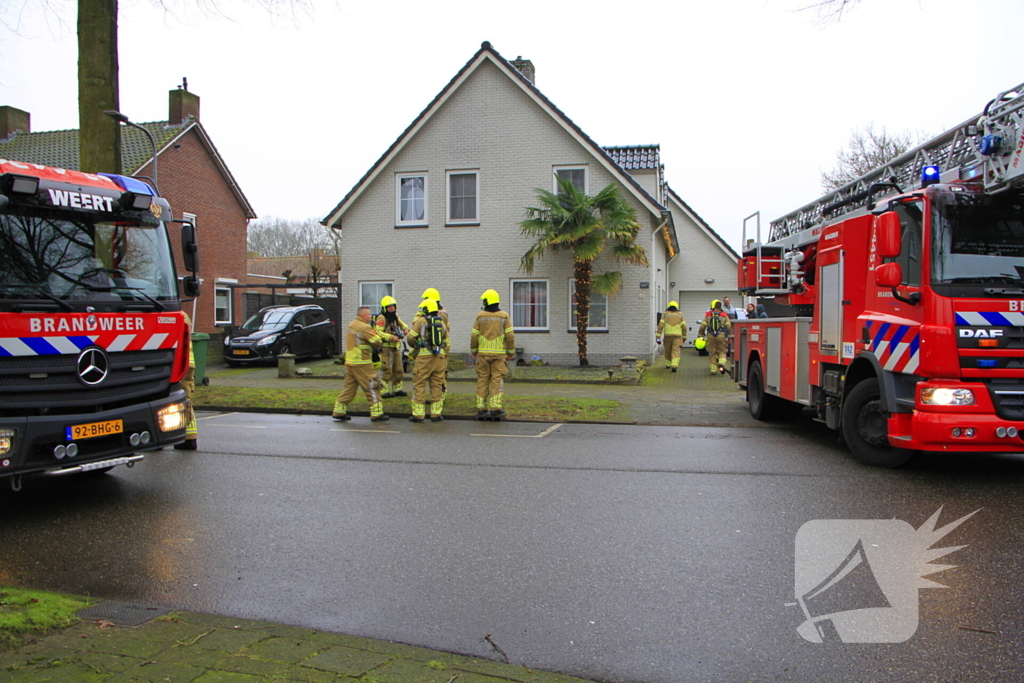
point(121, 613)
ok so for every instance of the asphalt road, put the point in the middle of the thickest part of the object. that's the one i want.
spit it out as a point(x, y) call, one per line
point(616, 553)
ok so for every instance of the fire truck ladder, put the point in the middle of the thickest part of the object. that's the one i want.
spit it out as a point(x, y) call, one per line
point(988, 149)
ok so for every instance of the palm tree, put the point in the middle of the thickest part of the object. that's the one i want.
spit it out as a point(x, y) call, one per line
point(574, 221)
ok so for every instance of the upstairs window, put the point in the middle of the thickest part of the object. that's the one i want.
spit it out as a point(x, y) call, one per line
point(577, 174)
point(463, 197)
point(411, 198)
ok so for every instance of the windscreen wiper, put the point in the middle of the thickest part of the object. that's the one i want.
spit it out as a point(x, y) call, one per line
point(159, 306)
point(42, 292)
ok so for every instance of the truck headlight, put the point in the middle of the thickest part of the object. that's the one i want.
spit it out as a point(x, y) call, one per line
point(267, 340)
point(942, 396)
point(7, 440)
point(171, 418)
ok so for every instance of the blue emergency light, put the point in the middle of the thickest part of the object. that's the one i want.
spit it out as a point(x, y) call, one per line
point(929, 175)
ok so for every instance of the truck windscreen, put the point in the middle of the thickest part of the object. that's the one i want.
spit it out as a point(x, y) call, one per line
point(978, 239)
point(54, 256)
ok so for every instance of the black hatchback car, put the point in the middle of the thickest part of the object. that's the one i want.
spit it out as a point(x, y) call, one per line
point(302, 330)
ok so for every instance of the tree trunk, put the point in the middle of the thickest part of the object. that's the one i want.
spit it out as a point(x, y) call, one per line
point(581, 274)
point(99, 142)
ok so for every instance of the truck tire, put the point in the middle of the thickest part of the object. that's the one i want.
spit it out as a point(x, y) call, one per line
point(865, 429)
point(764, 406)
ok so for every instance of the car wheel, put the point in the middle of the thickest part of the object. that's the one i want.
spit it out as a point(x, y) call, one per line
point(283, 349)
point(865, 427)
point(329, 348)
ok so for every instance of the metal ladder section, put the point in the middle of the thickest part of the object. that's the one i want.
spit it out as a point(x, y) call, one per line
point(958, 153)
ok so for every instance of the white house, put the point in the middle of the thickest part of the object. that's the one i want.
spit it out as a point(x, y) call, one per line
point(441, 208)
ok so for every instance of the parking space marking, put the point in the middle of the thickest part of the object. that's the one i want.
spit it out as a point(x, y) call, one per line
point(368, 431)
point(526, 436)
point(214, 424)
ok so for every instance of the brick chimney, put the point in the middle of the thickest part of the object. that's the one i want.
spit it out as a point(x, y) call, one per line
point(12, 119)
point(182, 105)
point(525, 67)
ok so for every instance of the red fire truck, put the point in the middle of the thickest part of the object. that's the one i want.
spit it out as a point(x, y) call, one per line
point(93, 343)
point(907, 293)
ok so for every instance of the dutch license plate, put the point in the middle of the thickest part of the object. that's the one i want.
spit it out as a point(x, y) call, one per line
point(94, 429)
point(240, 352)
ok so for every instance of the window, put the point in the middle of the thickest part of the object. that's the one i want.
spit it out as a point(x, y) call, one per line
point(530, 304)
point(222, 305)
point(577, 174)
point(911, 220)
point(598, 319)
point(411, 191)
point(370, 294)
point(463, 197)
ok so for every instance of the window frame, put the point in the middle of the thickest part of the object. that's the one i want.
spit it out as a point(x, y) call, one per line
point(419, 223)
point(572, 312)
point(448, 220)
point(375, 305)
point(547, 304)
point(571, 167)
point(217, 289)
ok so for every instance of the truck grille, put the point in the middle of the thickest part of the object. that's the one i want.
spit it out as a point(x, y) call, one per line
point(1008, 397)
point(50, 385)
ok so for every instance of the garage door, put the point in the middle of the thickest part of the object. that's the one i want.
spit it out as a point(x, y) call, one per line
point(694, 305)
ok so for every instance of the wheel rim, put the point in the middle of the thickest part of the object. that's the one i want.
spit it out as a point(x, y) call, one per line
point(872, 424)
point(284, 349)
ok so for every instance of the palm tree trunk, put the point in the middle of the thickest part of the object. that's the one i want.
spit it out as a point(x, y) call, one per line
point(99, 141)
point(581, 274)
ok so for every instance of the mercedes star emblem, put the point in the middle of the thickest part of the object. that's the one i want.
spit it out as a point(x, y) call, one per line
point(93, 366)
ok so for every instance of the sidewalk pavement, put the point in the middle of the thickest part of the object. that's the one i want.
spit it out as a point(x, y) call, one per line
point(185, 647)
point(690, 397)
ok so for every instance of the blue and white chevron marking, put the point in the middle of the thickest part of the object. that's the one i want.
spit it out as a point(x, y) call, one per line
point(990, 319)
point(44, 346)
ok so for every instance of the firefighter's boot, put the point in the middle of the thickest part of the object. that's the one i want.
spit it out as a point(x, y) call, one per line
point(340, 412)
point(418, 412)
point(714, 369)
point(191, 441)
point(396, 389)
point(496, 411)
point(187, 445)
point(377, 412)
point(721, 366)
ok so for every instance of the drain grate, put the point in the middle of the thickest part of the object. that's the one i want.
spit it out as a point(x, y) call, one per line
point(121, 613)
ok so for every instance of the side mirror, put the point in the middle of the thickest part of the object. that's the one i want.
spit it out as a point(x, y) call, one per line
point(888, 275)
point(189, 248)
point(887, 234)
point(190, 286)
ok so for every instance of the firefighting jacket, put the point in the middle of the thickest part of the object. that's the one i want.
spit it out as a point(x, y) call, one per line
point(389, 333)
point(715, 323)
point(492, 333)
point(360, 341)
point(444, 317)
point(672, 324)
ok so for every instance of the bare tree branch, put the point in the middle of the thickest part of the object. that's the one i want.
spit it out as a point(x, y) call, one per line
point(867, 149)
point(829, 11)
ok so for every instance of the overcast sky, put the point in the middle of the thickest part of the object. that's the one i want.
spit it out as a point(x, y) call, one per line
point(748, 99)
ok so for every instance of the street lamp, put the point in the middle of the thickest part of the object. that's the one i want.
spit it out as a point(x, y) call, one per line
point(121, 118)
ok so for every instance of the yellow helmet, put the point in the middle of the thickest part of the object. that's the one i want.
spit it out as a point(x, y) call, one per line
point(387, 301)
point(431, 293)
point(715, 302)
point(490, 297)
point(673, 304)
point(428, 306)
point(699, 343)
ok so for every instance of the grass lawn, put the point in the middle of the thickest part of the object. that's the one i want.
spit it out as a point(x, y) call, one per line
point(26, 613)
point(541, 408)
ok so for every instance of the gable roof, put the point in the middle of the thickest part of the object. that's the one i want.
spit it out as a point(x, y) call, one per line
point(486, 53)
point(701, 223)
point(59, 148)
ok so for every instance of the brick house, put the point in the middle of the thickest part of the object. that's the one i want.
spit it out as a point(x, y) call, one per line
point(441, 208)
point(193, 177)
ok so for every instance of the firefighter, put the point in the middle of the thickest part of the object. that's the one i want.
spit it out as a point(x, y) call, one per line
point(429, 335)
point(673, 328)
point(432, 293)
point(716, 328)
point(188, 384)
point(492, 344)
point(360, 342)
point(392, 371)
